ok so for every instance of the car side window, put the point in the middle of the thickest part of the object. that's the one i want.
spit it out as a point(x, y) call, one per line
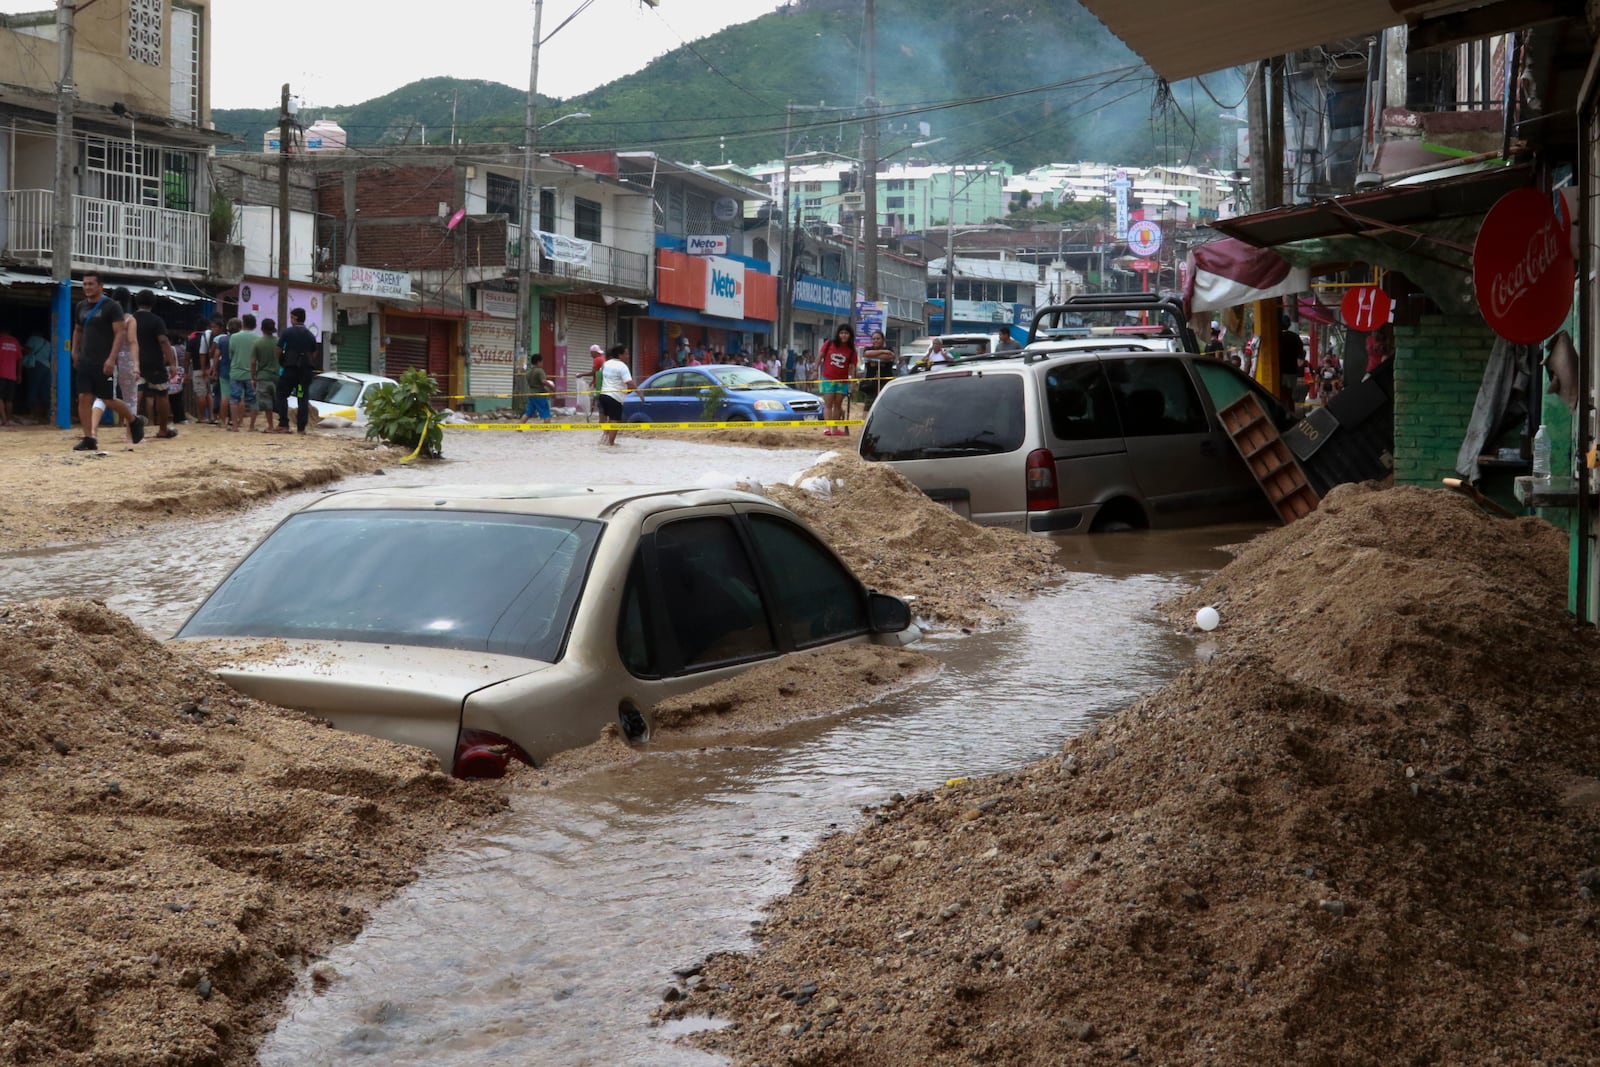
point(662, 385)
point(635, 641)
point(1080, 403)
point(710, 595)
point(693, 382)
point(1155, 397)
point(816, 599)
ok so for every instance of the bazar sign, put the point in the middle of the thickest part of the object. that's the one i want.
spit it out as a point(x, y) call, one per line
point(1522, 268)
point(724, 288)
point(364, 281)
point(710, 245)
point(819, 294)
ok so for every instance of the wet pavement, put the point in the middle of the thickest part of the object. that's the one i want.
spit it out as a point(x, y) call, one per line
point(548, 936)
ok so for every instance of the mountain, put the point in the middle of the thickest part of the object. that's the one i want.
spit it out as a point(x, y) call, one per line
point(1024, 81)
point(423, 108)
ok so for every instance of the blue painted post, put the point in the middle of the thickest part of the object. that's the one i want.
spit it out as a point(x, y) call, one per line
point(61, 366)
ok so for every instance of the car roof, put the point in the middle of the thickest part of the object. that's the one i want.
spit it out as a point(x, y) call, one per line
point(353, 376)
point(566, 501)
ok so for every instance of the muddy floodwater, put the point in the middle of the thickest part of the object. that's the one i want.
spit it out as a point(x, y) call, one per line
point(547, 936)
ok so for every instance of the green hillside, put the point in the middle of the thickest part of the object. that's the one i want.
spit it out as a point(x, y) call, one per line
point(1013, 80)
point(403, 116)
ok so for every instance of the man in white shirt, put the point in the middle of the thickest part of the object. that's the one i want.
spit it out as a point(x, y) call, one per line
point(616, 381)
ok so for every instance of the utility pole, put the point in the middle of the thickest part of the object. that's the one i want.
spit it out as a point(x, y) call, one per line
point(785, 253)
point(285, 123)
point(530, 230)
point(61, 223)
point(950, 257)
point(1266, 192)
point(869, 158)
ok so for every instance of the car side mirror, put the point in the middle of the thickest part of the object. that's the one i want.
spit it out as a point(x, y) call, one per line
point(887, 614)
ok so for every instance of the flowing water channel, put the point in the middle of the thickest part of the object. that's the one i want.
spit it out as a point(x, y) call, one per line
point(548, 936)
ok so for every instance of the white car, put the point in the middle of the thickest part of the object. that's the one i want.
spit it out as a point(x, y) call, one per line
point(494, 623)
point(342, 394)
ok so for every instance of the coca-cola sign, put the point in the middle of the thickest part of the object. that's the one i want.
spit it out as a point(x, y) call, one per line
point(1522, 268)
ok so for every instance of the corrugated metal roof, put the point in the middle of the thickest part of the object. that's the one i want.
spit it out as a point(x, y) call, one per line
point(1182, 38)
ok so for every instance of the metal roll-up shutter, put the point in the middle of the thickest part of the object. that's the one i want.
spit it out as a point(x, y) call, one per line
point(586, 325)
point(406, 352)
point(355, 346)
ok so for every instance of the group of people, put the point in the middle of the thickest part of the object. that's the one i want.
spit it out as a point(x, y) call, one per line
point(24, 374)
point(126, 362)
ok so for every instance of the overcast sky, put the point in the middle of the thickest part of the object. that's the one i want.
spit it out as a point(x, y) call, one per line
point(335, 52)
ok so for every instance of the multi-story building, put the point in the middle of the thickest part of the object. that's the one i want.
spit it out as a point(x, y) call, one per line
point(911, 197)
point(141, 211)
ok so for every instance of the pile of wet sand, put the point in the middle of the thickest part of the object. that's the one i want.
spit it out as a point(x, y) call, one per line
point(899, 541)
point(1366, 832)
point(174, 850)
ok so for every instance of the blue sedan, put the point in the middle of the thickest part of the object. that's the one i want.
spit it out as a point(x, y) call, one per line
point(719, 392)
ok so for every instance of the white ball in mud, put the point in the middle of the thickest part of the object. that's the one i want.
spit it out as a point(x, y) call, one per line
point(1207, 618)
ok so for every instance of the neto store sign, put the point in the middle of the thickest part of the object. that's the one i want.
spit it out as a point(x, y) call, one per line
point(724, 288)
point(710, 245)
point(1522, 268)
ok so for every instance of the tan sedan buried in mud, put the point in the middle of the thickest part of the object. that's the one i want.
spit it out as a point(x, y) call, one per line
point(491, 623)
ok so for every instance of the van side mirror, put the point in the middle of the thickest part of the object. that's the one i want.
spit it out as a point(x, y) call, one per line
point(887, 614)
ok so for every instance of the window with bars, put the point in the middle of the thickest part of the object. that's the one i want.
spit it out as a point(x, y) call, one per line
point(148, 175)
point(503, 196)
point(547, 210)
point(586, 218)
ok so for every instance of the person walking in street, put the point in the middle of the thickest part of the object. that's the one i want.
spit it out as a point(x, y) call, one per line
point(36, 374)
point(98, 331)
point(127, 374)
point(838, 359)
point(297, 347)
point(616, 381)
point(264, 370)
point(10, 374)
point(538, 390)
point(153, 354)
point(222, 372)
point(242, 374)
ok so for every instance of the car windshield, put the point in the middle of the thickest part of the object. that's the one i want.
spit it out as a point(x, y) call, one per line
point(746, 378)
point(341, 391)
point(946, 415)
point(478, 581)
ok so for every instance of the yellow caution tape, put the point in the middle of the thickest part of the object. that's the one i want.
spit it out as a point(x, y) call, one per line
point(800, 385)
point(548, 426)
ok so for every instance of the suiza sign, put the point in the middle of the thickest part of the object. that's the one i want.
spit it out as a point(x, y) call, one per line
point(1522, 268)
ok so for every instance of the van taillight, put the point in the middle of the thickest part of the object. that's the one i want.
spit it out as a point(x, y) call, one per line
point(1041, 474)
point(481, 754)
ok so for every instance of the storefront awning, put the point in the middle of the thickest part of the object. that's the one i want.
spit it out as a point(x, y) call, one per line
point(1182, 38)
point(1394, 208)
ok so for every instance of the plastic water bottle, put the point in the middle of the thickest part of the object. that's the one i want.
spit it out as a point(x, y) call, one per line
point(1541, 455)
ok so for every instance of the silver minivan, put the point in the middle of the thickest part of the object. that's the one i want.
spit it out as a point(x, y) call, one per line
point(1079, 434)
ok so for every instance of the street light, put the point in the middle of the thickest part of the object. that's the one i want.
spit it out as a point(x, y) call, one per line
point(564, 118)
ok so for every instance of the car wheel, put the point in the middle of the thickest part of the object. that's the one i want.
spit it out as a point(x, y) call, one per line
point(634, 728)
point(738, 416)
point(639, 417)
point(1119, 516)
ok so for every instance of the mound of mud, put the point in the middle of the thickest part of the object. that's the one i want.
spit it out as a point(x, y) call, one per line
point(899, 541)
point(173, 849)
point(1366, 833)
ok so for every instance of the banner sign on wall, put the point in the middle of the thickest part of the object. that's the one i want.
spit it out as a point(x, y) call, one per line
point(870, 315)
point(500, 305)
point(724, 288)
point(366, 281)
point(566, 249)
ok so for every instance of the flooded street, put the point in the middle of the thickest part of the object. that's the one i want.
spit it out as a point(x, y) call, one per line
point(548, 936)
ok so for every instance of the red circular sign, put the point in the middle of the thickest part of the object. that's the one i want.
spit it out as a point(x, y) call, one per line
point(1365, 308)
point(1522, 268)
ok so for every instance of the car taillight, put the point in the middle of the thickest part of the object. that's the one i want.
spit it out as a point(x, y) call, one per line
point(481, 754)
point(1040, 472)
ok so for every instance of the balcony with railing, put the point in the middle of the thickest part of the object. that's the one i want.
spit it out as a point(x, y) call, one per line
point(606, 267)
point(106, 234)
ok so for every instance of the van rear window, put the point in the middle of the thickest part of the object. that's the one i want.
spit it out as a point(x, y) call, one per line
point(941, 416)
